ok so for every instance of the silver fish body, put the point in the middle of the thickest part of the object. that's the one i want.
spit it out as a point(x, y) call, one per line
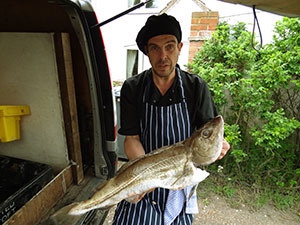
point(172, 167)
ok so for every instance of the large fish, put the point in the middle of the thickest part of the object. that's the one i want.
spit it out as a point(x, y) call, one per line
point(172, 167)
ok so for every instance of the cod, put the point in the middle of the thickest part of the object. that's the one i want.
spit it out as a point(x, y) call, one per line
point(173, 167)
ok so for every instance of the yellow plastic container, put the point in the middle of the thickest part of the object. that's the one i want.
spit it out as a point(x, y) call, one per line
point(10, 116)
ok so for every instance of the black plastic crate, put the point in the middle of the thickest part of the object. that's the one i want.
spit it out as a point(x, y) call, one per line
point(20, 180)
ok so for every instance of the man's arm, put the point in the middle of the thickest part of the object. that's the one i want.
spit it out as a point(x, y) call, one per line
point(133, 147)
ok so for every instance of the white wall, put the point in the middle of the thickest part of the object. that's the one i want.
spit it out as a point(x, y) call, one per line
point(28, 76)
point(184, 18)
point(119, 35)
point(234, 13)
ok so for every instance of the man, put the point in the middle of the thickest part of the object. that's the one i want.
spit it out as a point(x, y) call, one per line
point(161, 106)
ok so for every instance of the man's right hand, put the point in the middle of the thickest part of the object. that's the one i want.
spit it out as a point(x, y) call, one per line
point(133, 147)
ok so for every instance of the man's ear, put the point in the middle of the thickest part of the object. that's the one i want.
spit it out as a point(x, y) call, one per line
point(180, 46)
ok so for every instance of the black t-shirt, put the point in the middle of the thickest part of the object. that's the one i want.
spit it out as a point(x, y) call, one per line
point(199, 100)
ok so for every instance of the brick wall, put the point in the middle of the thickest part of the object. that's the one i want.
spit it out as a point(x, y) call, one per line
point(202, 26)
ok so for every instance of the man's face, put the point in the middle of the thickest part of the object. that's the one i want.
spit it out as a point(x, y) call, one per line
point(163, 51)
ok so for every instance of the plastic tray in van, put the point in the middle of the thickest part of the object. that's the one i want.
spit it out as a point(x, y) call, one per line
point(20, 180)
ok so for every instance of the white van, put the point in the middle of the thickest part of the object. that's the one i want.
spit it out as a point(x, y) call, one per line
point(54, 61)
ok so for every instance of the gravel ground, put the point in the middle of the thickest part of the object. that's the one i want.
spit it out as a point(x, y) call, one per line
point(217, 212)
point(214, 210)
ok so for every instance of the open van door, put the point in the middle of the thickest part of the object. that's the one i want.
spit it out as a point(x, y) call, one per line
point(52, 60)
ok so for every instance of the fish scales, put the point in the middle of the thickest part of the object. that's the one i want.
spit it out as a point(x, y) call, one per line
point(172, 167)
point(139, 176)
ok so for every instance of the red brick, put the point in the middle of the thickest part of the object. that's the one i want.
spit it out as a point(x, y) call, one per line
point(191, 57)
point(212, 27)
point(194, 33)
point(195, 21)
point(196, 43)
point(204, 21)
point(192, 54)
point(214, 13)
point(198, 27)
point(202, 25)
point(206, 33)
point(194, 50)
point(193, 47)
point(205, 14)
point(208, 21)
point(199, 14)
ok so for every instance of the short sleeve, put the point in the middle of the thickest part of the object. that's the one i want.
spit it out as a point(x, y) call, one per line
point(129, 119)
point(205, 106)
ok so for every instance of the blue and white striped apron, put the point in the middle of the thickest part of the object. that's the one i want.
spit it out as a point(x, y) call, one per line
point(160, 126)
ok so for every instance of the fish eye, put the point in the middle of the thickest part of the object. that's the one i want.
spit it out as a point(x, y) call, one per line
point(206, 133)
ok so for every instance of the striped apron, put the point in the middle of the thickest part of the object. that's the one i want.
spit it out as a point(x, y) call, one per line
point(160, 126)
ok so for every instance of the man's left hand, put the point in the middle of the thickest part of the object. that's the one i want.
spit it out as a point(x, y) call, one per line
point(225, 148)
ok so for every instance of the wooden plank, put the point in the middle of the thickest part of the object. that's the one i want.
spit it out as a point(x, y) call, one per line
point(35, 209)
point(77, 193)
point(66, 80)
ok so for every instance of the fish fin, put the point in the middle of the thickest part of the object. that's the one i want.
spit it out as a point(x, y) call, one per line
point(194, 189)
point(135, 198)
point(174, 183)
point(62, 216)
point(125, 166)
point(184, 174)
point(154, 152)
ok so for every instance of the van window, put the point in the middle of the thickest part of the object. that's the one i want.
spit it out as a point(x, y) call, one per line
point(132, 63)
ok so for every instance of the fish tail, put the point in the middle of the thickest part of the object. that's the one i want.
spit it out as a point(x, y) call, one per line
point(62, 216)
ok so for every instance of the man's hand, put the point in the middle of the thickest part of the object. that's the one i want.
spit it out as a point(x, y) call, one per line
point(133, 147)
point(225, 148)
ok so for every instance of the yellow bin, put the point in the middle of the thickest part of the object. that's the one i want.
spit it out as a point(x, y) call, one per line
point(10, 116)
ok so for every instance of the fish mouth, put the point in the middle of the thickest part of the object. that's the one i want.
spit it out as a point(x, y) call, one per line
point(218, 119)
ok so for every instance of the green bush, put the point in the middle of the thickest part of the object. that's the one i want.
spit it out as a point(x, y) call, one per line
point(258, 94)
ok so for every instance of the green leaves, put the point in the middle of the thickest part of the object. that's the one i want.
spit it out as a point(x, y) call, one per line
point(258, 94)
point(277, 127)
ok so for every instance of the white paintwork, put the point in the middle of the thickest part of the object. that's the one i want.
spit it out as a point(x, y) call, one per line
point(28, 76)
point(119, 35)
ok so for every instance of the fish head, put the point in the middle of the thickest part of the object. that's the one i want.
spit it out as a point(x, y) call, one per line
point(206, 143)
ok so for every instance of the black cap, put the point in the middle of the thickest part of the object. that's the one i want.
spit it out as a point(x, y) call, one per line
point(158, 25)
